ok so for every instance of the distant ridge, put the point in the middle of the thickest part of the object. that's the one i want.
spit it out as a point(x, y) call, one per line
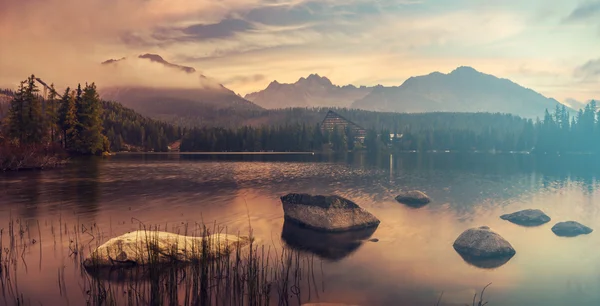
point(462, 90)
point(312, 91)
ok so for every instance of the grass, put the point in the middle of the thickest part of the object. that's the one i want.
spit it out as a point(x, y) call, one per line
point(254, 275)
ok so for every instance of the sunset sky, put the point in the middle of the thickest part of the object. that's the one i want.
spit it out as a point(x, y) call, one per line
point(548, 45)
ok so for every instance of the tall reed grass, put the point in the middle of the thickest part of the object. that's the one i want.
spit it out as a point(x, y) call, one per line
point(252, 275)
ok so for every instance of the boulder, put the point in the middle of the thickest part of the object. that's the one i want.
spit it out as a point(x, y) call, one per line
point(326, 213)
point(155, 247)
point(527, 217)
point(413, 198)
point(570, 229)
point(483, 248)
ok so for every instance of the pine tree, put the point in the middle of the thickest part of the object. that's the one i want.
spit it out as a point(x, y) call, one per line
point(51, 117)
point(16, 115)
point(68, 122)
point(89, 138)
point(26, 122)
point(34, 123)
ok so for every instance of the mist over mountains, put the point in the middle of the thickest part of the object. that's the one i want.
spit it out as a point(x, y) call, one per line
point(168, 101)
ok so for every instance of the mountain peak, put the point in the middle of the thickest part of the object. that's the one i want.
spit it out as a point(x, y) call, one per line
point(153, 57)
point(463, 90)
point(310, 91)
point(112, 60)
point(158, 59)
point(274, 84)
point(464, 69)
point(314, 79)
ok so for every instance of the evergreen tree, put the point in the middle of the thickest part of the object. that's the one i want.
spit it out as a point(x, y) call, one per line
point(26, 121)
point(89, 128)
point(16, 115)
point(69, 123)
point(52, 114)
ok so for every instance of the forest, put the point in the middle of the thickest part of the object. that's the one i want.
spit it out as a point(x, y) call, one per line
point(557, 132)
point(81, 123)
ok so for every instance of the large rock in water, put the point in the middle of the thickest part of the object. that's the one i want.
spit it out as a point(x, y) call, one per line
point(483, 247)
point(326, 213)
point(413, 198)
point(527, 217)
point(570, 229)
point(154, 247)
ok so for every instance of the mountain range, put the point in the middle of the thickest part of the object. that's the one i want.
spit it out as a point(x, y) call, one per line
point(313, 91)
point(462, 90)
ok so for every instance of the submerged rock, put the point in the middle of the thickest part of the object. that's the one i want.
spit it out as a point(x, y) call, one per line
point(483, 248)
point(326, 213)
point(413, 198)
point(154, 247)
point(527, 217)
point(570, 229)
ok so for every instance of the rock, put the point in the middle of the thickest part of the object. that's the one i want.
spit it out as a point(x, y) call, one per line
point(326, 213)
point(570, 229)
point(154, 247)
point(483, 247)
point(331, 246)
point(374, 240)
point(527, 217)
point(413, 198)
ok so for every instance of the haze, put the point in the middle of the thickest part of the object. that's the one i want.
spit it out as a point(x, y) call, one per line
point(550, 46)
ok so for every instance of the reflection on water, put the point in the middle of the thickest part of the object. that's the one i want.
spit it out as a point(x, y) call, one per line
point(330, 246)
point(412, 262)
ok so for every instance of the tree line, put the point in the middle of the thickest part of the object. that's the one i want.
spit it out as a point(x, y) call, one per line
point(73, 121)
point(79, 122)
point(556, 132)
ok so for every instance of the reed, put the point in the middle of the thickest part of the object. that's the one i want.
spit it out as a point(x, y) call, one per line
point(253, 275)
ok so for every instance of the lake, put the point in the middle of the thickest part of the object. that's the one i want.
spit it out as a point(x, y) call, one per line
point(412, 262)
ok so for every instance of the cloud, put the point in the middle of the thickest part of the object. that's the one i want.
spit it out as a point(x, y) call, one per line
point(584, 11)
point(244, 80)
point(589, 70)
point(65, 41)
point(225, 28)
point(247, 43)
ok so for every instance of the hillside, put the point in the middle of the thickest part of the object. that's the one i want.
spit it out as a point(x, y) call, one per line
point(129, 131)
point(463, 90)
point(165, 102)
point(313, 91)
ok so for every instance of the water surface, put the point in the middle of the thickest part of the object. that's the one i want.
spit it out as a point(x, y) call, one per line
point(411, 264)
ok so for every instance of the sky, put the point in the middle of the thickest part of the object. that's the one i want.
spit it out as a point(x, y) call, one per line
point(551, 46)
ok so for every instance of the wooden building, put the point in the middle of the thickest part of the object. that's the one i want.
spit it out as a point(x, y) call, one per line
point(334, 120)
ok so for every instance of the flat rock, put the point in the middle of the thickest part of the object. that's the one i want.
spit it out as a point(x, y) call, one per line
point(155, 247)
point(570, 229)
point(327, 213)
point(414, 198)
point(527, 217)
point(483, 245)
